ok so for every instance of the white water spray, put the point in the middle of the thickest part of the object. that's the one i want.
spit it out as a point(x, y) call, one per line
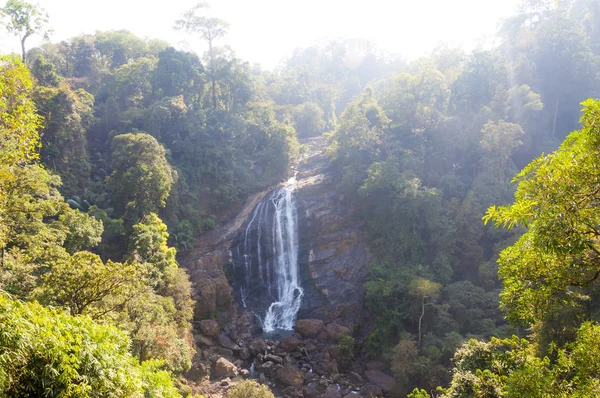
point(273, 225)
point(282, 313)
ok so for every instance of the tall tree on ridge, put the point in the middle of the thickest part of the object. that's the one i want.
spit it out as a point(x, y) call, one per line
point(209, 29)
point(25, 20)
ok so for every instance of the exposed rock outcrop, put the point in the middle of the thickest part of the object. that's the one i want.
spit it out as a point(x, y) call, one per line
point(381, 380)
point(332, 269)
point(309, 327)
point(207, 263)
point(291, 376)
point(333, 255)
point(224, 368)
point(209, 327)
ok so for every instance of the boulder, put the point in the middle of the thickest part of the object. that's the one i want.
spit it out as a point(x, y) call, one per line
point(198, 371)
point(273, 358)
point(330, 366)
point(203, 341)
point(371, 391)
point(290, 376)
point(245, 353)
point(313, 390)
point(257, 346)
point(224, 368)
point(223, 352)
point(269, 368)
point(289, 344)
point(209, 327)
point(310, 347)
point(309, 327)
point(226, 342)
point(292, 392)
point(336, 331)
point(332, 392)
point(381, 380)
point(356, 378)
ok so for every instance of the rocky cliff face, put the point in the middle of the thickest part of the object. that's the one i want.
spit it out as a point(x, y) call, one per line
point(333, 255)
point(332, 267)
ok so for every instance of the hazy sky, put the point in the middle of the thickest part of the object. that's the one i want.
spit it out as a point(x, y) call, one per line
point(265, 31)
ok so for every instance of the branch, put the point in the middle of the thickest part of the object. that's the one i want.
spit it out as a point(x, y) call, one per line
point(585, 283)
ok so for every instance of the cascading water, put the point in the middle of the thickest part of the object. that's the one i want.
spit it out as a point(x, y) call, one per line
point(266, 261)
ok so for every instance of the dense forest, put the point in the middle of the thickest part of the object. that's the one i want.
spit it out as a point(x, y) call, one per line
point(475, 177)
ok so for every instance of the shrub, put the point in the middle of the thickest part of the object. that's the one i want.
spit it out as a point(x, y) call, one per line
point(249, 389)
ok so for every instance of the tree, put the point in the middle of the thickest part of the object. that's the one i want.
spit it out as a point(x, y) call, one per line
point(308, 120)
point(29, 198)
point(553, 266)
point(501, 140)
point(25, 20)
point(68, 114)
point(142, 177)
point(86, 285)
point(148, 245)
point(209, 29)
point(423, 289)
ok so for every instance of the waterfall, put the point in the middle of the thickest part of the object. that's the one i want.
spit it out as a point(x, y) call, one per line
point(266, 265)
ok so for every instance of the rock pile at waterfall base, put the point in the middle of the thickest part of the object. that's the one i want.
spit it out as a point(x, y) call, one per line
point(300, 365)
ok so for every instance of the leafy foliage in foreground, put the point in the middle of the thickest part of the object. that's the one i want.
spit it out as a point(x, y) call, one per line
point(48, 353)
point(46, 255)
point(549, 281)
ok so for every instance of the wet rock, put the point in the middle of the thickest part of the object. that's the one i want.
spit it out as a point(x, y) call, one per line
point(270, 369)
point(336, 331)
point(226, 342)
point(371, 391)
point(313, 390)
point(245, 353)
point(289, 344)
point(290, 376)
point(257, 346)
point(309, 327)
point(273, 358)
point(209, 327)
point(381, 380)
point(224, 368)
point(332, 392)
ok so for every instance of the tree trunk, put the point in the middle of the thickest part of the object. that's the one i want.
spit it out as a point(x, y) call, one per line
point(421, 320)
point(23, 48)
point(212, 74)
point(555, 113)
